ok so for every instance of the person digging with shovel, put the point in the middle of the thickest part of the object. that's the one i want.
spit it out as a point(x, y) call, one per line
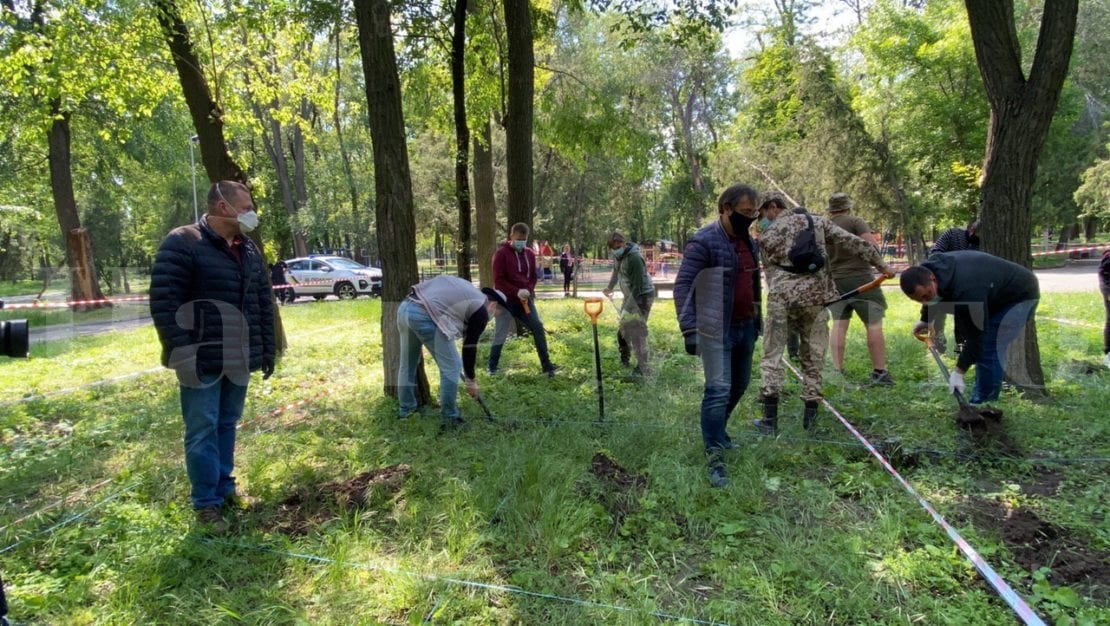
point(991, 300)
point(434, 314)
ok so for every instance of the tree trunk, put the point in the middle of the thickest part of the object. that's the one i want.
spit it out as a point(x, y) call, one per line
point(1021, 112)
point(348, 172)
point(79, 252)
point(462, 139)
point(518, 118)
point(393, 205)
point(485, 204)
point(272, 142)
point(205, 112)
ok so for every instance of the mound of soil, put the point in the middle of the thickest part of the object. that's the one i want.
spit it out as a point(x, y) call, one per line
point(620, 488)
point(1035, 543)
point(311, 506)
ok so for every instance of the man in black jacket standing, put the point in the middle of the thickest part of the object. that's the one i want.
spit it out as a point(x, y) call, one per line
point(211, 301)
point(992, 300)
point(717, 297)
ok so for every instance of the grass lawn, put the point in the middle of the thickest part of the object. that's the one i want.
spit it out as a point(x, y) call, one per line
point(545, 517)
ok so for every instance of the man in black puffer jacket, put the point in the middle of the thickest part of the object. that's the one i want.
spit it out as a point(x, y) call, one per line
point(211, 301)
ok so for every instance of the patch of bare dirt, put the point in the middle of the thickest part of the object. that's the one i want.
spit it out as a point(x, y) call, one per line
point(311, 506)
point(1045, 484)
point(1035, 543)
point(620, 489)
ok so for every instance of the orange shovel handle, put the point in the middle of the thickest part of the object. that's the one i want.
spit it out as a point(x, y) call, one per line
point(593, 308)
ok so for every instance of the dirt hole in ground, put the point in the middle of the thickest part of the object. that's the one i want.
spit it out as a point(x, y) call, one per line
point(313, 505)
point(1035, 543)
point(619, 490)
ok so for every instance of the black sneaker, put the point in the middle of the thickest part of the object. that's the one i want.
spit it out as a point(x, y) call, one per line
point(551, 369)
point(718, 475)
point(881, 377)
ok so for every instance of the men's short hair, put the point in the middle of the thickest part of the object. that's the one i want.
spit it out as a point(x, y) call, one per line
point(229, 189)
point(520, 227)
point(914, 277)
point(734, 194)
point(615, 236)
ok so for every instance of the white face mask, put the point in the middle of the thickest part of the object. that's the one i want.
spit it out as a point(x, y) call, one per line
point(247, 221)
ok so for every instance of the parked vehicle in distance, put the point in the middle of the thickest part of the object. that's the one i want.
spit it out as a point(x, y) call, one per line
point(320, 276)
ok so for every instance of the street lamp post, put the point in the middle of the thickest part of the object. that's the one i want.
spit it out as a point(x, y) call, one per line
point(192, 162)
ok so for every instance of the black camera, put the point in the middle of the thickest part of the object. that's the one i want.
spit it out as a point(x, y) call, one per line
point(15, 338)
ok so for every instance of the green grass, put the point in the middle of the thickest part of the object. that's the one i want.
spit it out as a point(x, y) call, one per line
point(808, 532)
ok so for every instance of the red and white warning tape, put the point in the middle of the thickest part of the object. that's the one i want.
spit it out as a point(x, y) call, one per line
point(1004, 590)
point(43, 304)
point(1098, 249)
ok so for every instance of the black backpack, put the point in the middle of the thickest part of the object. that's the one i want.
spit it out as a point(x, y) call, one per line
point(805, 255)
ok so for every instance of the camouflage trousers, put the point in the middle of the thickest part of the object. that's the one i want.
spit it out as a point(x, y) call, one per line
point(812, 324)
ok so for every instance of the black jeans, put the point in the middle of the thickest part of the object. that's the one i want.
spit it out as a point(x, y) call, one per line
point(567, 275)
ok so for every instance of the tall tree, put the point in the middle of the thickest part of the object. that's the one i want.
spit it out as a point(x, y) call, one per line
point(393, 204)
point(518, 120)
point(462, 138)
point(485, 203)
point(41, 54)
point(1021, 114)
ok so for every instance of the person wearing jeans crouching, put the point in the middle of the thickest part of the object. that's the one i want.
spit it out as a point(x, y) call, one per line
point(436, 313)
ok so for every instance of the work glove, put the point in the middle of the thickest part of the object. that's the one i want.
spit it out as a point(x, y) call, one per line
point(267, 368)
point(956, 383)
point(889, 273)
point(608, 293)
point(523, 294)
point(471, 387)
point(920, 328)
point(691, 341)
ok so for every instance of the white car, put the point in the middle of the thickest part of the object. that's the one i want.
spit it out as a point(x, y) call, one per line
point(321, 276)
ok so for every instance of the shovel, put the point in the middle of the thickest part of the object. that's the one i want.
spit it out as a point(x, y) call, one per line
point(482, 403)
point(861, 289)
point(968, 416)
point(593, 307)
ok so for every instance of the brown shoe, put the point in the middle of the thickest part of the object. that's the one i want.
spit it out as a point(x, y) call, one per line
point(212, 521)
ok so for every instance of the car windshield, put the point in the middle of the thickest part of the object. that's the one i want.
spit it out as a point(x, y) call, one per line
point(346, 264)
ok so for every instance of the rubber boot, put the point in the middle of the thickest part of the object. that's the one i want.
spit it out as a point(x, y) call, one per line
point(769, 425)
point(809, 418)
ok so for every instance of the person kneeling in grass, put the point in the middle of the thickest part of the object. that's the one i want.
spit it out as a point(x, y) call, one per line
point(434, 315)
point(992, 300)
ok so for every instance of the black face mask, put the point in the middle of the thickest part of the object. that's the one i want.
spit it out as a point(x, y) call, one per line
point(739, 223)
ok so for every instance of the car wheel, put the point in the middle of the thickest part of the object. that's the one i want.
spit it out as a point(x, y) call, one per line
point(319, 297)
point(346, 291)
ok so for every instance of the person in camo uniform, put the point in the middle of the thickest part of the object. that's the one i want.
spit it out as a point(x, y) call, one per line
point(798, 300)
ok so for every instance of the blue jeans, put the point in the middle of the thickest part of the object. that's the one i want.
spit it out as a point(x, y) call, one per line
point(211, 412)
point(728, 370)
point(417, 329)
point(531, 320)
point(1003, 328)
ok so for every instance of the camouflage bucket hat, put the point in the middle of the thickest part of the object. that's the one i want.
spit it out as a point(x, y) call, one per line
point(839, 202)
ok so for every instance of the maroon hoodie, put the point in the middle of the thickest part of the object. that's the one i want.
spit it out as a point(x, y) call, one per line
point(512, 270)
